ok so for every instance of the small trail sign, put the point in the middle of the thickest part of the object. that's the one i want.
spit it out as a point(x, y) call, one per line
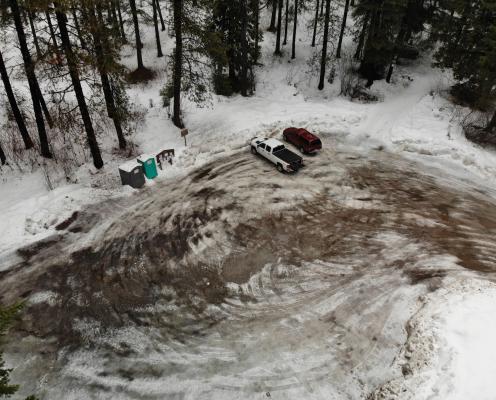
point(184, 133)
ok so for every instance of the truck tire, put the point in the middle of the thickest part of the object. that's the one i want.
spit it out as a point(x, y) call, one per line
point(253, 150)
point(302, 150)
point(285, 137)
point(280, 168)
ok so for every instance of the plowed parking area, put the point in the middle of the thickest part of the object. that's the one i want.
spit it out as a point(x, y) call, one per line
point(238, 282)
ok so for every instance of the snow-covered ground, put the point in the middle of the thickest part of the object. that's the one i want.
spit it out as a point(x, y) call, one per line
point(450, 352)
point(448, 348)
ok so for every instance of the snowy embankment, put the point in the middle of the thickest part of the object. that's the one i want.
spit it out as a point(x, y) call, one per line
point(450, 350)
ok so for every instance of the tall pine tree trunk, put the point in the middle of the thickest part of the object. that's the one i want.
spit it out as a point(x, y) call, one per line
point(111, 109)
point(293, 48)
point(324, 45)
point(368, 65)
point(272, 27)
point(28, 143)
point(32, 81)
point(492, 124)
point(106, 86)
point(316, 20)
point(121, 22)
point(76, 83)
point(343, 27)
point(322, 8)
point(257, 29)
point(279, 28)
point(44, 107)
point(244, 48)
point(51, 30)
point(134, 13)
point(78, 28)
point(112, 13)
point(286, 17)
point(178, 62)
point(157, 33)
point(34, 34)
point(361, 38)
point(3, 159)
point(160, 15)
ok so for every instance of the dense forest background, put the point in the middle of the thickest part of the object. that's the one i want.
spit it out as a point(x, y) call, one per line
point(68, 54)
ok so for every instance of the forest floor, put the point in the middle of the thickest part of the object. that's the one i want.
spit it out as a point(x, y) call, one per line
point(225, 279)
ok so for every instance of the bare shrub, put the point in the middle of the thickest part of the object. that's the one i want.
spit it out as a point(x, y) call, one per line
point(351, 83)
point(348, 77)
point(474, 125)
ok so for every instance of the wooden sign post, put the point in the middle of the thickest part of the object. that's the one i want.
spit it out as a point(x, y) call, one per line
point(184, 133)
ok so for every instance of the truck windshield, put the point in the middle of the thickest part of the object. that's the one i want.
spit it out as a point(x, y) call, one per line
point(278, 148)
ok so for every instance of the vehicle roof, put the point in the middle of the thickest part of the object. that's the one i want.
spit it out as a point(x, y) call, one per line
point(306, 135)
point(272, 142)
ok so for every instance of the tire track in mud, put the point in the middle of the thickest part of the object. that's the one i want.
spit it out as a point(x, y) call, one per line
point(239, 279)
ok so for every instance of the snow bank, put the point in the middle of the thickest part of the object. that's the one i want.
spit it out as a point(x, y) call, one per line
point(451, 350)
point(470, 329)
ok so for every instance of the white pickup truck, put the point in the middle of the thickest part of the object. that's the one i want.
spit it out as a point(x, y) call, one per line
point(274, 151)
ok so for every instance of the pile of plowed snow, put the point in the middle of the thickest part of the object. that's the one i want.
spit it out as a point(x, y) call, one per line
point(451, 349)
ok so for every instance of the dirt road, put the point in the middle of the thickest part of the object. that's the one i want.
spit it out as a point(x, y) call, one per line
point(240, 282)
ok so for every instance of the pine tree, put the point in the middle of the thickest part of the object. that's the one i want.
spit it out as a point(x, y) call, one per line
point(139, 56)
point(315, 22)
point(7, 316)
point(32, 81)
point(491, 127)
point(323, 60)
point(412, 22)
point(76, 83)
point(256, 7)
point(157, 33)
point(75, 19)
point(343, 27)
point(162, 23)
point(51, 29)
point(106, 52)
point(361, 37)
point(236, 22)
point(121, 21)
point(273, 14)
point(286, 20)
point(244, 48)
point(295, 25)
point(28, 143)
point(3, 161)
point(380, 22)
point(178, 62)
point(34, 35)
point(279, 28)
point(467, 33)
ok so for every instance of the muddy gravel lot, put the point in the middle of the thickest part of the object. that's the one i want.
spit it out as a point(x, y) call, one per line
point(240, 282)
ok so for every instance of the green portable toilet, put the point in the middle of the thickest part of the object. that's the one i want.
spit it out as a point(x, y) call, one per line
point(149, 165)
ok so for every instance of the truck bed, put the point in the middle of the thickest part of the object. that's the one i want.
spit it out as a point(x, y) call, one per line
point(291, 158)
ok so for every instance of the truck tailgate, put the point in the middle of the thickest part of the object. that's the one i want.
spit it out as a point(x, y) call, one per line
point(289, 157)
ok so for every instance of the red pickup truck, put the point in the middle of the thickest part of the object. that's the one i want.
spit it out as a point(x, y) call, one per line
point(305, 141)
